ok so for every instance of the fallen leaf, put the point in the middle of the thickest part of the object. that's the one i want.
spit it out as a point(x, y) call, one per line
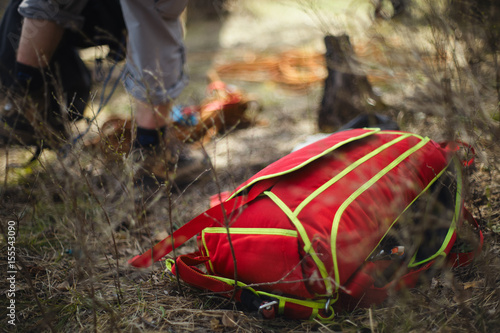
point(160, 236)
point(63, 285)
point(215, 324)
point(228, 320)
point(495, 228)
point(474, 284)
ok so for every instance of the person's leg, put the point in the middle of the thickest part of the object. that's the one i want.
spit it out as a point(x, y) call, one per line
point(155, 77)
point(150, 116)
point(155, 58)
point(151, 123)
point(33, 116)
point(43, 28)
point(38, 42)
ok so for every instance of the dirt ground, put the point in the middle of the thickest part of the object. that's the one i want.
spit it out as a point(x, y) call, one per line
point(80, 220)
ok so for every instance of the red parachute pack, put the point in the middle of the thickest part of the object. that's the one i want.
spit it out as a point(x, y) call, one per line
point(333, 225)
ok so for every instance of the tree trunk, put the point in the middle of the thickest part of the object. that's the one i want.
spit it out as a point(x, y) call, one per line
point(347, 93)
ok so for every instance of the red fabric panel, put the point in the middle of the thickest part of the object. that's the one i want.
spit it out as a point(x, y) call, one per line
point(363, 223)
point(272, 260)
point(296, 311)
point(300, 156)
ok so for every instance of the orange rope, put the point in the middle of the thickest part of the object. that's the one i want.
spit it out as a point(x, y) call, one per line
point(294, 69)
point(298, 69)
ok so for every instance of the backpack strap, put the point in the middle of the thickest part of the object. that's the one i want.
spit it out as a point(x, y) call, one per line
point(185, 267)
point(459, 259)
point(361, 286)
point(179, 237)
point(196, 225)
point(454, 146)
point(268, 305)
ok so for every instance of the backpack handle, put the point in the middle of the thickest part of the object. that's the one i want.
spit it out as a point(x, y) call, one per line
point(362, 284)
point(185, 267)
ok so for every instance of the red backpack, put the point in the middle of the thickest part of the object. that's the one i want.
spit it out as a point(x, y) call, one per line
point(330, 226)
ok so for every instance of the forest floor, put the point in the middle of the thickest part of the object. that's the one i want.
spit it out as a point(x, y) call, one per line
point(78, 220)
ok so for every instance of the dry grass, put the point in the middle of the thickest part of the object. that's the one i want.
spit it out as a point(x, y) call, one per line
point(80, 218)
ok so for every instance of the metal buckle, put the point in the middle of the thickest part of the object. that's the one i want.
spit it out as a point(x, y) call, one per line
point(327, 305)
point(267, 309)
point(267, 306)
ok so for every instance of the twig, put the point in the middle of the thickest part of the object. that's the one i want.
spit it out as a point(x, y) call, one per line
point(372, 329)
point(115, 247)
point(226, 223)
point(170, 221)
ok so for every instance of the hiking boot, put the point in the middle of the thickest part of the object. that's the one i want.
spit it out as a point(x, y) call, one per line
point(170, 161)
point(32, 120)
